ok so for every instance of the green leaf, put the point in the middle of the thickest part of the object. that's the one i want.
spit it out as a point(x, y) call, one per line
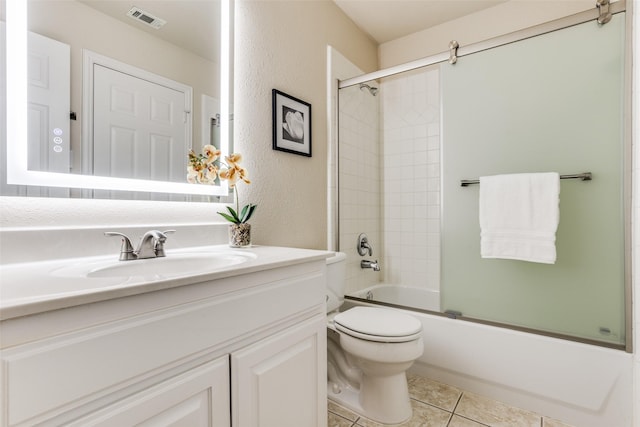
point(228, 218)
point(250, 211)
point(234, 215)
point(244, 213)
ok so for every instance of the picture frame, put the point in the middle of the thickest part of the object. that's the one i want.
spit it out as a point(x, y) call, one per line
point(291, 124)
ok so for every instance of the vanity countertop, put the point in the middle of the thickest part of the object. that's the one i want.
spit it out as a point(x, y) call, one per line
point(36, 287)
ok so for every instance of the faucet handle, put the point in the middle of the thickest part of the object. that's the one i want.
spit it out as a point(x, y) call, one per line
point(363, 245)
point(159, 243)
point(126, 250)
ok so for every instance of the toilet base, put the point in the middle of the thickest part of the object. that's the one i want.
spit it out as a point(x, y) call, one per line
point(347, 397)
point(351, 398)
point(386, 398)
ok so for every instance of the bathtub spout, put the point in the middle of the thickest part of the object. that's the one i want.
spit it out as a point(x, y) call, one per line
point(365, 263)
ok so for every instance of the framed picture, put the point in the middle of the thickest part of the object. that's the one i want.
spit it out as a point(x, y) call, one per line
point(291, 124)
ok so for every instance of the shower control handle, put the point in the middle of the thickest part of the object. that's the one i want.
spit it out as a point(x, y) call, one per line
point(363, 245)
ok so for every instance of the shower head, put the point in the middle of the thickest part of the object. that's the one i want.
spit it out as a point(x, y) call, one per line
point(372, 90)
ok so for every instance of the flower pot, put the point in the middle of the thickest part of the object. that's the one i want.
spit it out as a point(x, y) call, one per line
point(240, 235)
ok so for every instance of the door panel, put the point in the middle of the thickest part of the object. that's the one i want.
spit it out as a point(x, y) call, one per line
point(137, 123)
point(49, 102)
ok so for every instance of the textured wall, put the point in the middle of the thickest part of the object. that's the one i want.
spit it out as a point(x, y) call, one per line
point(283, 45)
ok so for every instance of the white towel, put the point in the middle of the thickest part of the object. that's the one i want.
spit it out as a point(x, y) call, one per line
point(519, 216)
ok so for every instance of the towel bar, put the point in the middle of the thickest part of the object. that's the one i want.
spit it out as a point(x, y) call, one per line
point(585, 176)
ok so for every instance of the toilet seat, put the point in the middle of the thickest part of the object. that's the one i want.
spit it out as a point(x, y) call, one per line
point(378, 325)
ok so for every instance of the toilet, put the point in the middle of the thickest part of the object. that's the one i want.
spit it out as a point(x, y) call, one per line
point(369, 350)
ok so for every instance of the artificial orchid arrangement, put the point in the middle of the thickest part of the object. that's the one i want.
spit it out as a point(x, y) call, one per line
point(207, 167)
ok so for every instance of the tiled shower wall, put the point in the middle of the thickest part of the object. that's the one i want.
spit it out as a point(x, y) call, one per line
point(410, 117)
point(389, 160)
point(359, 182)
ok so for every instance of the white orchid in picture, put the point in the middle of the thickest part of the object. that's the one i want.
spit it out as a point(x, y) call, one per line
point(294, 125)
point(207, 167)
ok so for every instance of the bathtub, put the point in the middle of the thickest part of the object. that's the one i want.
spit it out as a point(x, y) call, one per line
point(581, 384)
point(406, 296)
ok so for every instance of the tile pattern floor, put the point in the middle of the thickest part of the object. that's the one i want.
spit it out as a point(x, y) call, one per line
point(440, 405)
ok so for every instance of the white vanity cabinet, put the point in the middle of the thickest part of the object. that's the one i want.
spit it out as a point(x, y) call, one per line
point(243, 350)
point(289, 367)
point(199, 397)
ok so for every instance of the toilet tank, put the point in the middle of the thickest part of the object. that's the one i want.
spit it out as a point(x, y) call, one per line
point(336, 280)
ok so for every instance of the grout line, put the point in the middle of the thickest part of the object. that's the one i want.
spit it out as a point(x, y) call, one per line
point(471, 419)
point(457, 403)
point(342, 416)
point(462, 416)
point(450, 419)
point(431, 404)
point(346, 419)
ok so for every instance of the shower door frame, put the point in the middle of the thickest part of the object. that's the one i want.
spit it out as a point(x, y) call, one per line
point(526, 33)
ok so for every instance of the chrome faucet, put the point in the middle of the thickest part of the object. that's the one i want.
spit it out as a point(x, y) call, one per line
point(365, 263)
point(151, 245)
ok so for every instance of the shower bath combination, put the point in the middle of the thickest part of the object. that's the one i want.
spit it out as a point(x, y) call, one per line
point(458, 118)
point(414, 135)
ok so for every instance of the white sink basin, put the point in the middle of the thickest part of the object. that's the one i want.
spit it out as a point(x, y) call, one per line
point(173, 265)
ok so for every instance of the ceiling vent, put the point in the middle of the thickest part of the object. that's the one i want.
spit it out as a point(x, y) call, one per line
point(142, 16)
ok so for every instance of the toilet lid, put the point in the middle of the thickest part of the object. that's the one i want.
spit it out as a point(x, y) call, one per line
point(378, 324)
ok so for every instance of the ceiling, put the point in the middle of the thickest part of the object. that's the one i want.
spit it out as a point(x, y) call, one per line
point(383, 20)
point(191, 24)
point(386, 20)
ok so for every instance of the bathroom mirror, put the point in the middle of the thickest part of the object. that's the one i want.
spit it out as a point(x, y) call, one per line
point(181, 68)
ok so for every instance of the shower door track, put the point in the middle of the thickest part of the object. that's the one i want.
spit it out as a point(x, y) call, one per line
point(516, 36)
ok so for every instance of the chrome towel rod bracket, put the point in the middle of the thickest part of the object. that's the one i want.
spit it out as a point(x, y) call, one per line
point(585, 176)
point(453, 51)
point(604, 11)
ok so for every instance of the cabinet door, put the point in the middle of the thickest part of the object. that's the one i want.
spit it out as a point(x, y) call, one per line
point(196, 398)
point(281, 380)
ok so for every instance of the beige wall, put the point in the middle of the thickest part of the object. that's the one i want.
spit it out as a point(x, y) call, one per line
point(498, 20)
point(283, 45)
